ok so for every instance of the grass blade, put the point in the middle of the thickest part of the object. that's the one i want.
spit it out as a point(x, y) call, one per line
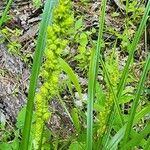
point(142, 113)
point(76, 121)
point(116, 139)
point(5, 12)
point(46, 19)
point(92, 78)
point(66, 68)
point(136, 100)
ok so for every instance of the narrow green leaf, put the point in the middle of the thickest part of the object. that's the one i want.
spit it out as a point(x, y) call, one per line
point(46, 19)
point(142, 113)
point(5, 12)
point(92, 77)
point(66, 68)
point(75, 118)
point(116, 139)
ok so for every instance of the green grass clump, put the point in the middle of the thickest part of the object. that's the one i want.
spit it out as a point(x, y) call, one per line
point(115, 95)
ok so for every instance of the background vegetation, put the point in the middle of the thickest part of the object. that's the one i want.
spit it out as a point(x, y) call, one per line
point(93, 75)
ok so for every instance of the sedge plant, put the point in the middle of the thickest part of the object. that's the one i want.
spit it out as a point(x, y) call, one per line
point(124, 76)
point(56, 42)
point(132, 48)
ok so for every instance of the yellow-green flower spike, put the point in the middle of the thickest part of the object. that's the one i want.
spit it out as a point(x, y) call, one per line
point(57, 41)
